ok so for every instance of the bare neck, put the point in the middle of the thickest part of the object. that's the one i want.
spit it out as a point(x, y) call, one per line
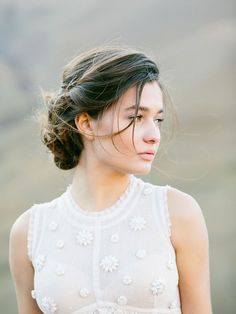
point(98, 188)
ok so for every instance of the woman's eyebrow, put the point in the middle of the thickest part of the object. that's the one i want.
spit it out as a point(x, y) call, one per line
point(141, 108)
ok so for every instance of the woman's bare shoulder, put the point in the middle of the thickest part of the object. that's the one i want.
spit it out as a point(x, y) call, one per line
point(18, 246)
point(181, 203)
point(185, 215)
point(19, 228)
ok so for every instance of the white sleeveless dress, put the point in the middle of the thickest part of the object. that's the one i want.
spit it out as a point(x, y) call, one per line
point(117, 261)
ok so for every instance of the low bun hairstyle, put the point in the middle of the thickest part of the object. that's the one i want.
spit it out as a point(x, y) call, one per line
point(91, 82)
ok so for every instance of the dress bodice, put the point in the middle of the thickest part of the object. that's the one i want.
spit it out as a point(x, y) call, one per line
point(117, 261)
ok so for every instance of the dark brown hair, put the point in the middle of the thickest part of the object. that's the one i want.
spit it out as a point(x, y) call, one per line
point(91, 82)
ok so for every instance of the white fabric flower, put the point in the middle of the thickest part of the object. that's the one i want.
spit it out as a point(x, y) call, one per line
point(141, 253)
point(84, 292)
point(60, 270)
point(157, 286)
point(109, 263)
point(40, 262)
point(147, 191)
point(173, 304)
point(115, 238)
point(137, 223)
point(170, 265)
point(49, 305)
point(60, 244)
point(122, 300)
point(127, 280)
point(84, 237)
point(53, 225)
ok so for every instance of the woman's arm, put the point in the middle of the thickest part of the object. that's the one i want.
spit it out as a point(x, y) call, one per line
point(190, 239)
point(21, 267)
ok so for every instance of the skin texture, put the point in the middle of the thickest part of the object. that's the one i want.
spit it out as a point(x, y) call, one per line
point(102, 176)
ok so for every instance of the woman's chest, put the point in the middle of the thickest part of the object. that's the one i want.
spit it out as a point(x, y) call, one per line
point(77, 268)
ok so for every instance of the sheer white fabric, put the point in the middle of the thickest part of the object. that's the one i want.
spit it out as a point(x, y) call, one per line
point(116, 261)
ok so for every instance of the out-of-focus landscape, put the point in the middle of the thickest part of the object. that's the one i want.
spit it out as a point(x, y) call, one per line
point(194, 44)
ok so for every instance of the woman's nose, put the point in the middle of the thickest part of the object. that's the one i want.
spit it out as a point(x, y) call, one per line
point(152, 139)
point(152, 135)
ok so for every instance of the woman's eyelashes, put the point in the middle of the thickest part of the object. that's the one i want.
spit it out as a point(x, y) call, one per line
point(139, 118)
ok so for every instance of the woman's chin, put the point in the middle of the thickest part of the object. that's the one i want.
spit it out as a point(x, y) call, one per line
point(142, 169)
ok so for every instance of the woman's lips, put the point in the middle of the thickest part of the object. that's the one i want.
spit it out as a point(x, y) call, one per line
point(147, 156)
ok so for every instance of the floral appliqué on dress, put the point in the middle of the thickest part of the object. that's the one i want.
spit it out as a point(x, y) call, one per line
point(137, 223)
point(109, 263)
point(48, 304)
point(157, 286)
point(53, 226)
point(122, 300)
point(40, 262)
point(84, 292)
point(84, 237)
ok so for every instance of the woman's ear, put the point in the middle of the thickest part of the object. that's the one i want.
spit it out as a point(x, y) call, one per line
point(84, 125)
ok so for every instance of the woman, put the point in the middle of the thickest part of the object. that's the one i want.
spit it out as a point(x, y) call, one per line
point(111, 243)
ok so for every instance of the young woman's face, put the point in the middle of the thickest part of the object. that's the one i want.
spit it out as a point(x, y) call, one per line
point(119, 152)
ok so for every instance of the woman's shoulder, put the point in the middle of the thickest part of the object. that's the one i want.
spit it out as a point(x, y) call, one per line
point(19, 228)
point(22, 228)
point(18, 242)
point(182, 207)
point(181, 204)
point(186, 216)
point(21, 224)
point(175, 196)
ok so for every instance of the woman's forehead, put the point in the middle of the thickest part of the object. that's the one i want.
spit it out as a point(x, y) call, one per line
point(151, 98)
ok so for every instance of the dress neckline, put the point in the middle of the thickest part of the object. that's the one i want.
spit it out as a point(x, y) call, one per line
point(106, 211)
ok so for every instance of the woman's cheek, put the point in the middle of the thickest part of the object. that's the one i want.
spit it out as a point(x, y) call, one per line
point(122, 124)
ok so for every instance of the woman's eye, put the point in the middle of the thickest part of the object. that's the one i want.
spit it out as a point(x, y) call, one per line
point(158, 121)
point(137, 118)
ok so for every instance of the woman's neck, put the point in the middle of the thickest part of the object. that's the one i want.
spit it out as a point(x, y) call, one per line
point(97, 189)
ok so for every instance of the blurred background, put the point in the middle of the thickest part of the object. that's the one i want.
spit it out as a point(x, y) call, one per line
point(194, 44)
